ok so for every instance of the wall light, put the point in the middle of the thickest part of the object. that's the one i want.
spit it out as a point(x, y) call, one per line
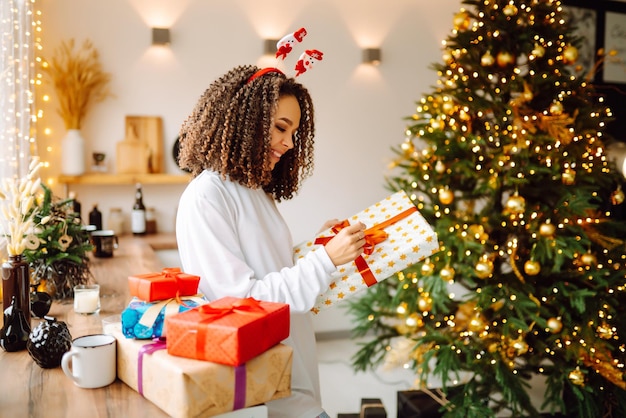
point(269, 46)
point(371, 56)
point(160, 36)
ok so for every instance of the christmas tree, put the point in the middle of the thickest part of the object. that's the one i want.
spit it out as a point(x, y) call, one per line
point(506, 159)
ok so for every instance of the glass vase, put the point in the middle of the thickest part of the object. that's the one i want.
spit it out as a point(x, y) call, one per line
point(16, 283)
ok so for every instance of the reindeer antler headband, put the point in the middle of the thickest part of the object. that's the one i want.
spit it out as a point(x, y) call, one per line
point(284, 46)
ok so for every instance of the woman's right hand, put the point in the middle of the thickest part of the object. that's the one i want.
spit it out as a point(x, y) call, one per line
point(347, 244)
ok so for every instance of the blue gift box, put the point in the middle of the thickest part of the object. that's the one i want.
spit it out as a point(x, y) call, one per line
point(145, 320)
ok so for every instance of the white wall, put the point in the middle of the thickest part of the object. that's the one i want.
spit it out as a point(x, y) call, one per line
point(359, 109)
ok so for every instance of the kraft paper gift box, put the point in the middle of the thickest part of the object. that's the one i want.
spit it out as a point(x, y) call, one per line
point(228, 331)
point(145, 320)
point(186, 388)
point(397, 237)
point(169, 283)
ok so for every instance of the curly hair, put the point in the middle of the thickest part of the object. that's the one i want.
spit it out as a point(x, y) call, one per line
point(228, 132)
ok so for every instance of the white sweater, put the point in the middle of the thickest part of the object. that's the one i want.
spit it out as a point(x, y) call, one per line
point(235, 239)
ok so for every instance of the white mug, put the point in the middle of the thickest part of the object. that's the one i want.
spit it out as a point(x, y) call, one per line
point(91, 362)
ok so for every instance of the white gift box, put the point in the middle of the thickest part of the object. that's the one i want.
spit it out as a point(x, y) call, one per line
point(409, 239)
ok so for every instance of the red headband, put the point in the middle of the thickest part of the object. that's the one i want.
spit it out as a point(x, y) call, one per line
point(263, 71)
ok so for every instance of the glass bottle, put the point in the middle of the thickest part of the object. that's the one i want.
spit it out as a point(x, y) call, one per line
point(95, 217)
point(138, 217)
point(15, 328)
point(151, 225)
point(16, 283)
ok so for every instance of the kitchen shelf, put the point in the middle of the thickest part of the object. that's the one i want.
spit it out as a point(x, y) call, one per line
point(121, 179)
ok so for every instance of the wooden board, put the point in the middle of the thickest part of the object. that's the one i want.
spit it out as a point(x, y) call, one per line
point(149, 129)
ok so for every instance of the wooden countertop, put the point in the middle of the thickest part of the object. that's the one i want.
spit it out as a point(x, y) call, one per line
point(27, 390)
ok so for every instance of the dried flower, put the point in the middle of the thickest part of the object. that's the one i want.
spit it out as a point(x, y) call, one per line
point(79, 80)
point(18, 208)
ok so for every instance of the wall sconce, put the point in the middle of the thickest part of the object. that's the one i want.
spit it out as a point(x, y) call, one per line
point(269, 46)
point(371, 56)
point(160, 36)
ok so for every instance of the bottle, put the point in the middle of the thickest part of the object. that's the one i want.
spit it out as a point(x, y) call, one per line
point(116, 221)
point(151, 225)
point(95, 217)
point(76, 206)
point(138, 217)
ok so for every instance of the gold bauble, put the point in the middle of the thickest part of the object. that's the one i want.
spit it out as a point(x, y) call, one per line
point(424, 303)
point(538, 51)
point(555, 325)
point(520, 346)
point(476, 324)
point(505, 58)
point(446, 196)
point(604, 331)
point(547, 229)
point(447, 273)
point(570, 54)
point(617, 197)
point(510, 10)
point(568, 177)
point(484, 268)
point(487, 59)
point(478, 232)
point(440, 167)
point(516, 204)
point(427, 268)
point(447, 107)
point(532, 267)
point(588, 259)
point(461, 20)
point(556, 108)
point(577, 377)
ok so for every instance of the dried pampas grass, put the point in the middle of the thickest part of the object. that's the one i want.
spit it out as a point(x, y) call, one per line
point(79, 80)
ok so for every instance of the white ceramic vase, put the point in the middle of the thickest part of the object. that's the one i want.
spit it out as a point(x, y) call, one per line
point(73, 153)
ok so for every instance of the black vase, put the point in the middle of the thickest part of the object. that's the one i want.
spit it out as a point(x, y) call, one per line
point(16, 282)
point(15, 330)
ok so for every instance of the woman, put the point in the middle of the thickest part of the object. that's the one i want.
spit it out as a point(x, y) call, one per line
point(248, 144)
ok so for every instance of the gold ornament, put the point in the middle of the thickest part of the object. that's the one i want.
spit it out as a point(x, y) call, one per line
point(447, 273)
point(568, 177)
point(478, 232)
point(520, 346)
point(604, 331)
point(547, 229)
point(505, 58)
point(440, 167)
point(476, 323)
point(487, 59)
point(570, 54)
point(556, 108)
point(538, 51)
point(532, 267)
point(588, 260)
point(577, 377)
point(447, 107)
point(617, 197)
point(510, 10)
point(427, 268)
point(424, 303)
point(446, 196)
point(515, 204)
point(555, 325)
point(461, 20)
point(484, 268)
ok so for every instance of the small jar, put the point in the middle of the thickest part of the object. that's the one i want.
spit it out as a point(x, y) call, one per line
point(151, 225)
point(116, 221)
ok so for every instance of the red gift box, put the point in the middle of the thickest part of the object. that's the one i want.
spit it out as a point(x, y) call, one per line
point(167, 284)
point(227, 331)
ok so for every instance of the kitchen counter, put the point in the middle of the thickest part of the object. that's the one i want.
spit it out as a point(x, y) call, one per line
point(29, 391)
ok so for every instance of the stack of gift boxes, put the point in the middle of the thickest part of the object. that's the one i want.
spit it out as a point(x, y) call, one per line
point(195, 358)
point(192, 358)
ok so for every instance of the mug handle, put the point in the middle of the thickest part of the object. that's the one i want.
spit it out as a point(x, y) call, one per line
point(68, 366)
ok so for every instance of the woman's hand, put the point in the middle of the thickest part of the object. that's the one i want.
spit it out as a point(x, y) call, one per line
point(347, 244)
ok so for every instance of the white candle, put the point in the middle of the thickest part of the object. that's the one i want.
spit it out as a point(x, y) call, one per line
point(87, 299)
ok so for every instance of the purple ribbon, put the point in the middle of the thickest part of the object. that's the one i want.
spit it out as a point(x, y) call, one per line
point(158, 344)
point(240, 387)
